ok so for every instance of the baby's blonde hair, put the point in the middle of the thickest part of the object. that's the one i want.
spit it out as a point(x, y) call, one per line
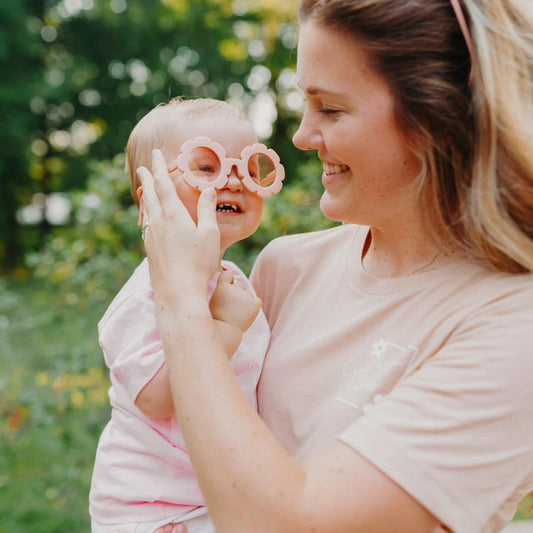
point(160, 127)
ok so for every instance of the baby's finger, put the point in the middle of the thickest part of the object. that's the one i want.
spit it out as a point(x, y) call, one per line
point(225, 277)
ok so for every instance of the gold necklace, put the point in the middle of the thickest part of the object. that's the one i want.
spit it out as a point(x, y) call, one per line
point(427, 265)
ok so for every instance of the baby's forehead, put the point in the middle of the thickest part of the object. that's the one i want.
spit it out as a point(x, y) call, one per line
point(220, 128)
point(233, 134)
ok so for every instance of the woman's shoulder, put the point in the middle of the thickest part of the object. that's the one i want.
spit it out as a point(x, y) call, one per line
point(292, 258)
point(312, 242)
point(497, 286)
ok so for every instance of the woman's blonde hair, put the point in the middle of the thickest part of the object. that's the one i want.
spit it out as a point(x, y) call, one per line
point(474, 137)
point(164, 124)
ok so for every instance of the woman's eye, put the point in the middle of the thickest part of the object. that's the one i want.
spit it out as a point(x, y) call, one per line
point(328, 111)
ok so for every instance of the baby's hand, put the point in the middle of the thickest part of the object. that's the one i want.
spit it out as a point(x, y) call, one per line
point(233, 304)
point(172, 528)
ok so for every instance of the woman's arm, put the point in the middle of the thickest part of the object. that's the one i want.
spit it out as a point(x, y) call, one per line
point(250, 483)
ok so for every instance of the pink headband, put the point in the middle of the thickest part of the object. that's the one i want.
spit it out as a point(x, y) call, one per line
point(466, 33)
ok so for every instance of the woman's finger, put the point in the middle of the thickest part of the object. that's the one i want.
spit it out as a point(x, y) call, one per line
point(207, 213)
point(208, 230)
point(166, 192)
point(150, 200)
point(207, 208)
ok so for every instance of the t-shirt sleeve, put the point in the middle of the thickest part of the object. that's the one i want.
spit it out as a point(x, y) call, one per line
point(457, 433)
point(256, 275)
point(131, 342)
point(266, 278)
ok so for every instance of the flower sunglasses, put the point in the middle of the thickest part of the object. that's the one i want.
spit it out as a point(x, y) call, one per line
point(204, 164)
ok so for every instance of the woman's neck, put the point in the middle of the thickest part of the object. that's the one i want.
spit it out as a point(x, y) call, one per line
point(394, 255)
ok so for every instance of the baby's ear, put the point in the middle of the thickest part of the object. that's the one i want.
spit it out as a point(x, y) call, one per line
point(141, 205)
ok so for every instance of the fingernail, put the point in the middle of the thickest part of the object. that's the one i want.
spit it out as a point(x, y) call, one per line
point(210, 194)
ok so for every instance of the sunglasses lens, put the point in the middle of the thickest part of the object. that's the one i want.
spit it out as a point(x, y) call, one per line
point(262, 170)
point(204, 164)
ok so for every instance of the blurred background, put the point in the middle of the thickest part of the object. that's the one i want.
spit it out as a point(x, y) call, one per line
point(76, 75)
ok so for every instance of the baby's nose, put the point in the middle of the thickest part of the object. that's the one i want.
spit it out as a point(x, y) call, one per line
point(234, 179)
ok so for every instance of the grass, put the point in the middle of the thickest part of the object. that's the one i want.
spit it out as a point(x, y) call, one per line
point(53, 407)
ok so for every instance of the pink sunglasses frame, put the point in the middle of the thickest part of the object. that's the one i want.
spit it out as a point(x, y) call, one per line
point(227, 163)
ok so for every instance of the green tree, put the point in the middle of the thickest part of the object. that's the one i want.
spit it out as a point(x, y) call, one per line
point(22, 74)
point(89, 69)
point(106, 63)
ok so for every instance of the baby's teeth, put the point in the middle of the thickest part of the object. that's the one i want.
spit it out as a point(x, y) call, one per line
point(228, 206)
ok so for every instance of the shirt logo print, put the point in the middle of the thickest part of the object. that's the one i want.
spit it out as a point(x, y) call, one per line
point(373, 376)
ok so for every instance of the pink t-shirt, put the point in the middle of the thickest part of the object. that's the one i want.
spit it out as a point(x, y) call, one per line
point(429, 376)
point(142, 471)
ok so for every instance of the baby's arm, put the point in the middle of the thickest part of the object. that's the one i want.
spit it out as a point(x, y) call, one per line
point(155, 398)
point(233, 309)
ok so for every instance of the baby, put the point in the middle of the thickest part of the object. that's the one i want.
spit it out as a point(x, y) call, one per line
point(143, 477)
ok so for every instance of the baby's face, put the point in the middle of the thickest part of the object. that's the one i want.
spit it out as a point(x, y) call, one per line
point(238, 210)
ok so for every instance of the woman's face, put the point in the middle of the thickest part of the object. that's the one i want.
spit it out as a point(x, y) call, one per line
point(349, 120)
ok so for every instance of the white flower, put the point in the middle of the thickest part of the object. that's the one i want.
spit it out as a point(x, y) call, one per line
point(379, 347)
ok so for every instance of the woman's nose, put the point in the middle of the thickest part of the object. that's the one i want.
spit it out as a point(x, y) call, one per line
point(307, 137)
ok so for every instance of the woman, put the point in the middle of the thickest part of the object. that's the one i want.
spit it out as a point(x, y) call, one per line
point(396, 395)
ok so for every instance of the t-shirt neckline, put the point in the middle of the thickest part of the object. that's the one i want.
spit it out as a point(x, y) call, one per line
point(367, 283)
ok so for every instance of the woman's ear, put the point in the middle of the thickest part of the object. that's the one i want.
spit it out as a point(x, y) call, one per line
point(141, 205)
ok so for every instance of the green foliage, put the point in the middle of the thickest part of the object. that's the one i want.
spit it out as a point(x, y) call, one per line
point(89, 259)
point(22, 77)
point(77, 76)
point(525, 509)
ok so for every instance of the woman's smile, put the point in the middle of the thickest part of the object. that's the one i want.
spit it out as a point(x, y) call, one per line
point(334, 169)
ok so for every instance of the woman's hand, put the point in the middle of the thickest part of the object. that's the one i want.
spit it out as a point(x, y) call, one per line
point(181, 254)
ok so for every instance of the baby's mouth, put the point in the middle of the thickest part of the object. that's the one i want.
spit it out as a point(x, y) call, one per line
point(334, 169)
point(228, 208)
